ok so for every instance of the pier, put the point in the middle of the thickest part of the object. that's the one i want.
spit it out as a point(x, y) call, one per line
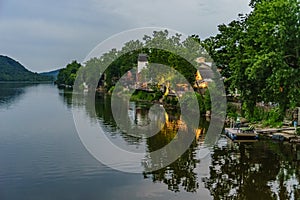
point(238, 135)
point(281, 134)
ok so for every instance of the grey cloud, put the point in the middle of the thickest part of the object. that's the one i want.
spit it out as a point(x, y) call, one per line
point(48, 34)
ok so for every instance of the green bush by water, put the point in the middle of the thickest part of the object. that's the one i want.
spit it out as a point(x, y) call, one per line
point(146, 96)
point(298, 131)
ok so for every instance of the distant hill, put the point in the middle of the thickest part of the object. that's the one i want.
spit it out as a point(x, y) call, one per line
point(53, 74)
point(11, 70)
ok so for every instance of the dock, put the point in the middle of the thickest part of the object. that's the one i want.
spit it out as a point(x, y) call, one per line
point(274, 130)
point(281, 134)
point(237, 135)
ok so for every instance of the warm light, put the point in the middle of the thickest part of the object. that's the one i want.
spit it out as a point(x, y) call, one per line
point(203, 85)
point(198, 76)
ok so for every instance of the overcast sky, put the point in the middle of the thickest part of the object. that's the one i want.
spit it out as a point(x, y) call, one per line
point(47, 34)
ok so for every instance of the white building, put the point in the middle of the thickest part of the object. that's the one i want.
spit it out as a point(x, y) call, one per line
point(142, 64)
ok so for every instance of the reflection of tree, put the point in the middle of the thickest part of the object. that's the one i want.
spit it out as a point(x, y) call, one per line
point(260, 170)
point(10, 92)
point(180, 174)
point(98, 108)
point(66, 94)
point(245, 171)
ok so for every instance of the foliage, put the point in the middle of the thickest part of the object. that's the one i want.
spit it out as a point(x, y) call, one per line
point(235, 168)
point(145, 96)
point(160, 48)
point(273, 118)
point(270, 118)
point(187, 103)
point(68, 75)
point(259, 54)
point(258, 114)
point(232, 111)
point(53, 73)
point(11, 70)
point(298, 131)
point(207, 101)
point(171, 100)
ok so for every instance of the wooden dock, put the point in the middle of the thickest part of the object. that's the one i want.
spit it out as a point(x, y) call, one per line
point(274, 130)
point(281, 134)
point(237, 135)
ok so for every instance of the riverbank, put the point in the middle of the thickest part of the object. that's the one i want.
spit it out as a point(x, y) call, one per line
point(170, 101)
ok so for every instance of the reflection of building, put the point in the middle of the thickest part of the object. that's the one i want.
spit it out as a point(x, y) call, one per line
point(140, 115)
point(168, 124)
point(137, 115)
point(200, 134)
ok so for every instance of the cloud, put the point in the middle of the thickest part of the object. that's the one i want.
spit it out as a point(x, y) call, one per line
point(46, 34)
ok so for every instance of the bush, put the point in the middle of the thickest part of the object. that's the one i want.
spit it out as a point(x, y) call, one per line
point(232, 111)
point(259, 114)
point(273, 118)
point(270, 118)
point(207, 101)
point(146, 96)
point(110, 91)
point(187, 103)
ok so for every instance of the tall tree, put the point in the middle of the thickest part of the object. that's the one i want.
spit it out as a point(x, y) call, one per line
point(259, 53)
point(68, 75)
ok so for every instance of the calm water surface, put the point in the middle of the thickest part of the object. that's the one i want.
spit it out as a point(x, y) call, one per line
point(41, 156)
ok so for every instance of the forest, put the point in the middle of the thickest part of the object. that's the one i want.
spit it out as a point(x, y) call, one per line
point(11, 70)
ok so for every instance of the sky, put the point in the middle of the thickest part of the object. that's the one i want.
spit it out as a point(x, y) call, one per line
point(45, 35)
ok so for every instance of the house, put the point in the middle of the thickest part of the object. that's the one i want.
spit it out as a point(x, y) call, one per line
point(142, 64)
point(204, 73)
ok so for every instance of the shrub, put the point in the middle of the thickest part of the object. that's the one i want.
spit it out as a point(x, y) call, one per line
point(146, 96)
point(187, 101)
point(273, 118)
point(207, 101)
point(232, 111)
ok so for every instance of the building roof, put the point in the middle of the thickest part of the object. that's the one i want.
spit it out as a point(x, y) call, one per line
point(143, 57)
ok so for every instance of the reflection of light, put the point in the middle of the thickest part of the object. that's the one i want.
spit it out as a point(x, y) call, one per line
point(290, 184)
point(200, 83)
point(180, 124)
point(198, 132)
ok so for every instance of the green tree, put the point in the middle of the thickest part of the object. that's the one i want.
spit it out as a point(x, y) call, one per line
point(68, 75)
point(259, 53)
point(160, 48)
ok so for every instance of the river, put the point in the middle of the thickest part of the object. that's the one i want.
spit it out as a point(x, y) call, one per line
point(42, 156)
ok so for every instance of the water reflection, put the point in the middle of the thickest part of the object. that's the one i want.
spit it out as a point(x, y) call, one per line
point(66, 96)
point(180, 175)
point(261, 170)
point(12, 92)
